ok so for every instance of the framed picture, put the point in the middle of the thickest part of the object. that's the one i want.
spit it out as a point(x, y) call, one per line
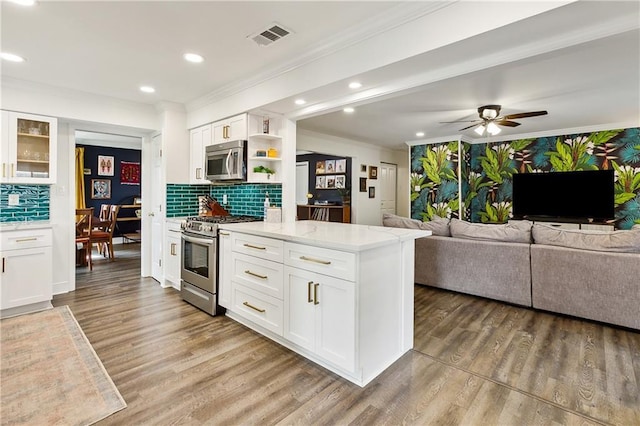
point(100, 189)
point(321, 182)
point(319, 167)
point(330, 166)
point(363, 169)
point(363, 184)
point(341, 166)
point(372, 192)
point(331, 181)
point(105, 165)
point(340, 180)
point(373, 173)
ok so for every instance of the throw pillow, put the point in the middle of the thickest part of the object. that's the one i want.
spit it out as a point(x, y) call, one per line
point(438, 225)
point(613, 241)
point(513, 232)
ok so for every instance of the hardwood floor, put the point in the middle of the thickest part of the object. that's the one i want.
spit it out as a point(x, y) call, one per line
point(475, 361)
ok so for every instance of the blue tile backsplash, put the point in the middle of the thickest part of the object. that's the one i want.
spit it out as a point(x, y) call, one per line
point(242, 199)
point(33, 204)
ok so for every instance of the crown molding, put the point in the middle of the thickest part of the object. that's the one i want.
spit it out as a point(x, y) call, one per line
point(397, 16)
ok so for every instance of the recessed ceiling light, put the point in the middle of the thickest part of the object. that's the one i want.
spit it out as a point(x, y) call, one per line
point(24, 2)
point(355, 85)
point(147, 89)
point(11, 57)
point(193, 57)
point(300, 102)
point(348, 110)
point(420, 134)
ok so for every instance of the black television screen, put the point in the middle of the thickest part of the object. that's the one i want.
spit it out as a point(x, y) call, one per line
point(573, 195)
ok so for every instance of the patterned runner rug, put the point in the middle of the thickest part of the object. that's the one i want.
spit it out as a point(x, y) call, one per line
point(50, 373)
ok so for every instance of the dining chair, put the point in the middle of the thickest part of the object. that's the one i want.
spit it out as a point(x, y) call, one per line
point(105, 211)
point(84, 219)
point(104, 238)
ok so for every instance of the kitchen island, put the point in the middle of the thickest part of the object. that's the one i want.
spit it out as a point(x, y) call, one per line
point(339, 294)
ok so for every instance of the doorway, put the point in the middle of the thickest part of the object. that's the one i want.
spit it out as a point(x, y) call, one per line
point(388, 188)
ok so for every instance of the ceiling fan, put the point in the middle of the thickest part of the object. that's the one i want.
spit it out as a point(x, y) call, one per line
point(490, 119)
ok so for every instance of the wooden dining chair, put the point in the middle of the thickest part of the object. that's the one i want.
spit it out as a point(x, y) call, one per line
point(105, 211)
point(84, 227)
point(104, 238)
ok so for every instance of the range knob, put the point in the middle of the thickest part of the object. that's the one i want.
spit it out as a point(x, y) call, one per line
point(206, 228)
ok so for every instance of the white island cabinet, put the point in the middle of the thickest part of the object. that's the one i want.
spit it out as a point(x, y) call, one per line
point(339, 294)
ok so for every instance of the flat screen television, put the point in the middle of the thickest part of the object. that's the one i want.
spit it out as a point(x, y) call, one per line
point(583, 195)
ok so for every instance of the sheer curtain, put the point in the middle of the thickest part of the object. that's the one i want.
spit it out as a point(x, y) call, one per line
point(80, 202)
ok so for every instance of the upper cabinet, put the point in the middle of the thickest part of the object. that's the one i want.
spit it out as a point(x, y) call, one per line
point(264, 150)
point(29, 147)
point(199, 138)
point(230, 129)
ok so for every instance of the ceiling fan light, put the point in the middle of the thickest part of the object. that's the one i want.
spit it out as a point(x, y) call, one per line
point(479, 130)
point(493, 129)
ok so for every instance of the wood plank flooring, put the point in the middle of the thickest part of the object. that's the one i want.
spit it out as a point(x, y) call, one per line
point(475, 362)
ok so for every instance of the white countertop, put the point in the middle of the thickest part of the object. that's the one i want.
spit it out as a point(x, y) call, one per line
point(25, 225)
point(341, 236)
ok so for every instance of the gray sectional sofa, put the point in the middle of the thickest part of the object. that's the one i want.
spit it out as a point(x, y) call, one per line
point(588, 274)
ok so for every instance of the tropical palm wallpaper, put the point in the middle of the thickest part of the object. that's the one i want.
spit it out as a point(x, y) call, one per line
point(486, 173)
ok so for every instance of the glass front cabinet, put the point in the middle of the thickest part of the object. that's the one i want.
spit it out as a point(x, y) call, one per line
point(28, 153)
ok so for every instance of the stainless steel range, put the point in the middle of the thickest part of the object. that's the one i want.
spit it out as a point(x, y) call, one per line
point(199, 272)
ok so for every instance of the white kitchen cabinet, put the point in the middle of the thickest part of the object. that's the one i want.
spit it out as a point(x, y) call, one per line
point(172, 254)
point(346, 296)
point(320, 315)
point(29, 148)
point(200, 138)
point(224, 269)
point(230, 129)
point(25, 281)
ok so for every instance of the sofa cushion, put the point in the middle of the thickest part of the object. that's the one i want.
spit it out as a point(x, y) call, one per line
point(614, 241)
point(438, 225)
point(514, 232)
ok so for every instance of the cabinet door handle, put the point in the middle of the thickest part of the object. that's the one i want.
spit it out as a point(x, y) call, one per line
point(3, 259)
point(223, 233)
point(4, 169)
point(254, 247)
point(199, 173)
point(264, 277)
point(12, 170)
point(24, 240)
point(311, 259)
point(249, 305)
point(315, 294)
point(173, 249)
point(309, 299)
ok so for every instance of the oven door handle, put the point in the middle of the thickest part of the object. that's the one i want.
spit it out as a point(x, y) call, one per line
point(205, 241)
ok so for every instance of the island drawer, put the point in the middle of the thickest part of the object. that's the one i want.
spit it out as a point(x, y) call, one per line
point(263, 310)
point(258, 274)
point(26, 238)
point(335, 263)
point(264, 248)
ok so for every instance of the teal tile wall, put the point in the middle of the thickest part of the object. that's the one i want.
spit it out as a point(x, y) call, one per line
point(33, 205)
point(182, 200)
point(242, 199)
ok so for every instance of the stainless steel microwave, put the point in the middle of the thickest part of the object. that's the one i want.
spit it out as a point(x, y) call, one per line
point(226, 161)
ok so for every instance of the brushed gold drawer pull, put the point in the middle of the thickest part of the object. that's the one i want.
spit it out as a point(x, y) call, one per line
point(264, 277)
point(311, 259)
point(223, 233)
point(24, 240)
point(249, 305)
point(309, 299)
point(315, 294)
point(254, 247)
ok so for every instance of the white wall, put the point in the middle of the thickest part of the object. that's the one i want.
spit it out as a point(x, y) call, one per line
point(364, 210)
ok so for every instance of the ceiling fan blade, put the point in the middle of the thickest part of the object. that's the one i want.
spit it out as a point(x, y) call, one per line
point(507, 123)
point(468, 127)
point(460, 121)
point(524, 115)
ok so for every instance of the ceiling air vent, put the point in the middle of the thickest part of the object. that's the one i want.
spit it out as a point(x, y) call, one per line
point(272, 34)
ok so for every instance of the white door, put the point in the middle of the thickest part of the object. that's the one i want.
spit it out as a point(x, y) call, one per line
point(388, 182)
point(157, 210)
point(302, 182)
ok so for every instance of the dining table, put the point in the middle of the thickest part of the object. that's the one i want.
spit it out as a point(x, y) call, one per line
point(96, 224)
